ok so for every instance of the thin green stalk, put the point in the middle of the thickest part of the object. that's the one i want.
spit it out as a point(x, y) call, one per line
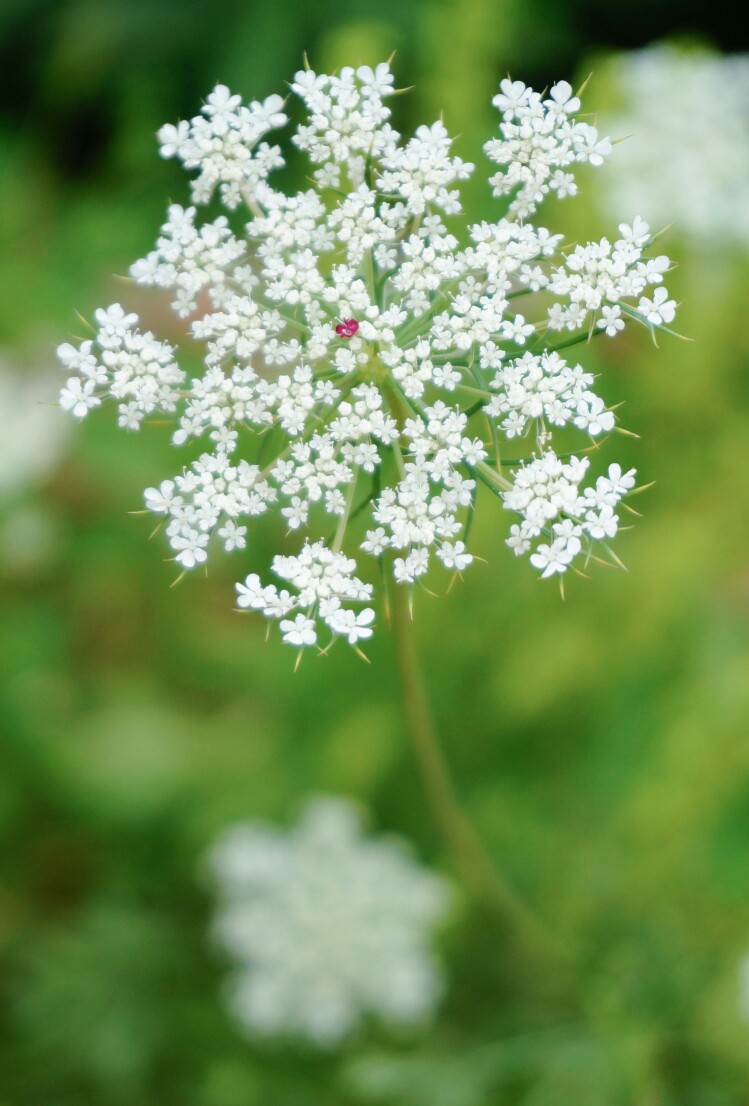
point(343, 521)
point(471, 860)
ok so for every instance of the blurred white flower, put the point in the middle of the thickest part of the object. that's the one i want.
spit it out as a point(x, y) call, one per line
point(685, 115)
point(326, 925)
point(34, 433)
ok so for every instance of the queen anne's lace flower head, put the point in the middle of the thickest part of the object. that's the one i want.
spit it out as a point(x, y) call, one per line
point(326, 926)
point(363, 364)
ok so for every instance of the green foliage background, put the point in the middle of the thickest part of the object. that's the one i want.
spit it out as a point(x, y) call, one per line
point(601, 743)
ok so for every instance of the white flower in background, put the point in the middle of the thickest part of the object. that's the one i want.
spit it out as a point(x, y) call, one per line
point(35, 433)
point(326, 926)
point(362, 364)
point(686, 157)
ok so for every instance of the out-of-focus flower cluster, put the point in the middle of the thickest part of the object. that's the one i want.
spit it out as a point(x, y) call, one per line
point(326, 926)
point(685, 115)
point(362, 361)
point(34, 439)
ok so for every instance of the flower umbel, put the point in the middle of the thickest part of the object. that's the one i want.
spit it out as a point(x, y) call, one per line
point(326, 925)
point(362, 361)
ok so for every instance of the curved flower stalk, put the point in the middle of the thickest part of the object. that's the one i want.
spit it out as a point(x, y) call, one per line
point(361, 359)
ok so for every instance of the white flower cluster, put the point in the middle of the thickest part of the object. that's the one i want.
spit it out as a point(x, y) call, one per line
point(540, 139)
point(546, 387)
point(326, 926)
point(360, 358)
point(224, 144)
point(322, 579)
point(135, 369)
point(187, 258)
point(547, 494)
point(599, 278)
point(686, 159)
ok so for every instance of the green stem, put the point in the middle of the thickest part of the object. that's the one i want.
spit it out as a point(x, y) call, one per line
point(471, 860)
point(343, 522)
point(583, 336)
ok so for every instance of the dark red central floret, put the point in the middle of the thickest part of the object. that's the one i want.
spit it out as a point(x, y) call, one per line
point(347, 329)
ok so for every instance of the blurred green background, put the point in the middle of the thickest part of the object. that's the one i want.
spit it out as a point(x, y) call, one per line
point(601, 744)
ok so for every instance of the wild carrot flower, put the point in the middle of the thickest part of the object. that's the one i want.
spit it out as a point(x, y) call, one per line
point(326, 926)
point(364, 362)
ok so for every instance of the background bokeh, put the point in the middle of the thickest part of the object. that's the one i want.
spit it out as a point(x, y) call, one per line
point(601, 743)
